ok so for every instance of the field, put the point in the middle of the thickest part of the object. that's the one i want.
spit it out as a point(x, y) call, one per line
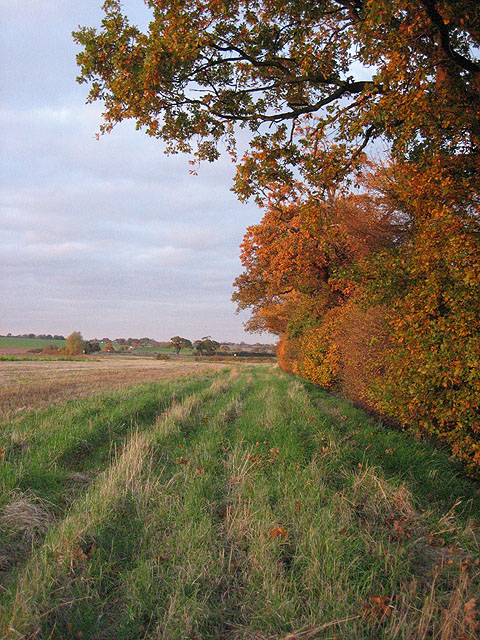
point(21, 346)
point(223, 502)
point(28, 343)
point(27, 384)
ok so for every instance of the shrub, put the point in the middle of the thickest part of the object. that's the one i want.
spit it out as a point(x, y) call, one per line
point(288, 353)
point(320, 353)
point(363, 343)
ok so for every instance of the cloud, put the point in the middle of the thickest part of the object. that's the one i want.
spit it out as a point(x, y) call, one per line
point(109, 236)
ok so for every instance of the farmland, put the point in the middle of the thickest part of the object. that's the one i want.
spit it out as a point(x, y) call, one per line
point(224, 502)
point(28, 343)
point(27, 384)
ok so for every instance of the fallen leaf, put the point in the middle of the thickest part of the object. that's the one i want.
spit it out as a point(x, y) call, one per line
point(433, 541)
point(471, 614)
point(162, 559)
point(464, 565)
point(377, 609)
point(401, 529)
point(77, 556)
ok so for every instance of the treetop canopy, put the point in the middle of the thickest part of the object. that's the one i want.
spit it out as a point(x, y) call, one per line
point(324, 78)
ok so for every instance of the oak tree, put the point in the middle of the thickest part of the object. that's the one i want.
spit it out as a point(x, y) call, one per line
point(206, 346)
point(315, 82)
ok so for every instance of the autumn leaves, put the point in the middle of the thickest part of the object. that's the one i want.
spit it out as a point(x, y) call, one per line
point(376, 294)
point(366, 266)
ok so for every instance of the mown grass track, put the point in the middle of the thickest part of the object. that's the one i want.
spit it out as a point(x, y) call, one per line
point(53, 455)
point(255, 507)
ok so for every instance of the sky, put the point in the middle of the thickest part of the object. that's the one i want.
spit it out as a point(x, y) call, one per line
point(109, 237)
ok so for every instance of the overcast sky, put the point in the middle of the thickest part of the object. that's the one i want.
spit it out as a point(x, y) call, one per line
point(109, 237)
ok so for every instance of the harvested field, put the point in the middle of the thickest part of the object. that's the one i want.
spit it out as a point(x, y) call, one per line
point(35, 384)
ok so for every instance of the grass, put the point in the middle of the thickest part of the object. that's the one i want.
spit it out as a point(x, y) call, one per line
point(240, 504)
point(29, 343)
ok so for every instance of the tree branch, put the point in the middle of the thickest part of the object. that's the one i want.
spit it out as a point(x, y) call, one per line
point(446, 45)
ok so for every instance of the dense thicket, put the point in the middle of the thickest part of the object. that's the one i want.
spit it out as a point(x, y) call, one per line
point(378, 295)
point(368, 270)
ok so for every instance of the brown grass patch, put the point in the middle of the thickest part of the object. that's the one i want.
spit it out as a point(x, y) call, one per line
point(26, 515)
point(13, 351)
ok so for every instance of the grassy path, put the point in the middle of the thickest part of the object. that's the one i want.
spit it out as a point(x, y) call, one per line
point(50, 457)
point(244, 505)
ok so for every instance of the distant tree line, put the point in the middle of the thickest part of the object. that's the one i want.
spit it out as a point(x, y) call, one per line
point(206, 346)
point(40, 336)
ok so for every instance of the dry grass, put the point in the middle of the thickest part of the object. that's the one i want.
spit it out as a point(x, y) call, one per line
point(24, 521)
point(31, 385)
point(26, 515)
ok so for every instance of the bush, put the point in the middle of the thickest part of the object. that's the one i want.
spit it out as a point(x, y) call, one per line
point(363, 343)
point(288, 353)
point(74, 344)
point(320, 355)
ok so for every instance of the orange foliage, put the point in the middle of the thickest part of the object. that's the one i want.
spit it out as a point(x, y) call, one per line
point(388, 311)
point(432, 286)
point(363, 342)
point(288, 351)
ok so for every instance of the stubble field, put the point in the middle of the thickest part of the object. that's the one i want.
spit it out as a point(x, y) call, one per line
point(26, 385)
point(223, 502)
